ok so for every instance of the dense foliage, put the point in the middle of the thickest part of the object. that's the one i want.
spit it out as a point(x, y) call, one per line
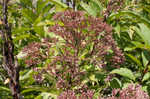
point(75, 49)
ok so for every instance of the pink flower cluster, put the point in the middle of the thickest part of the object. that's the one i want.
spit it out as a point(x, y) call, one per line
point(80, 33)
point(131, 92)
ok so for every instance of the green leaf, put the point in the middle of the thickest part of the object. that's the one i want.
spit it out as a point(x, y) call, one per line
point(96, 6)
point(38, 20)
point(124, 72)
point(138, 44)
point(144, 33)
point(131, 32)
point(26, 75)
point(47, 8)
point(100, 76)
point(132, 14)
point(129, 48)
point(39, 30)
point(141, 45)
point(50, 22)
point(28, 89)
point(46, 95)
point(115, 83)
point(40, 5)
point(138, 62)
point(28, 14)
point(4, 88)
point(26, 3)
point(92, 77)
point(88, 9)
point(146, 76)
point(98, 3)
point(21, 37)
point(31, 88)
point(1, 56)
point(145, 57)
point(20, 30)
point(59, 3)
point(117, 29)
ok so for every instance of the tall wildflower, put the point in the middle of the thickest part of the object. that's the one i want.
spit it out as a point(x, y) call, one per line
point(81, 33)
point(83, 40)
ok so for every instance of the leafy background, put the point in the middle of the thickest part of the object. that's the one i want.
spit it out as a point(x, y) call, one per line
point(31, 19)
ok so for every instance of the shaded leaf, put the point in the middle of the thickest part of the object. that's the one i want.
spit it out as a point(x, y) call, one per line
point(145, 57)
point(115, 83)
point(138, 62)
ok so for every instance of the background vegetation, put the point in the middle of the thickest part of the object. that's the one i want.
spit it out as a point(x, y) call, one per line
point(70, 49)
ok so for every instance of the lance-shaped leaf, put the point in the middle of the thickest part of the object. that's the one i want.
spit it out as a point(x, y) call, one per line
point(58, 2)
point(145, 57)
point(124, 72)
point(144, 33)
point(88, 8)
point(146, 76)
point(132, 15)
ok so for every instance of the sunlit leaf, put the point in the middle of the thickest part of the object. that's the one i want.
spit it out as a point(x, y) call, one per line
point(26, 75)
point(4, 88)
point(46, 95)
point(88, 9)
point(58, 2)
point(124, 72)
point(134, 15)
point(146, 76)
point(145, 33)
point(117, 29)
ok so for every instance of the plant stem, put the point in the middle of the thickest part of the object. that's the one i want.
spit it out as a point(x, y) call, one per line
point(74, 4)
point(9, 63)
